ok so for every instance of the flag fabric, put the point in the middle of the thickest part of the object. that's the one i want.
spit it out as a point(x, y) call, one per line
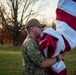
point(52, 42)
point(66, 21)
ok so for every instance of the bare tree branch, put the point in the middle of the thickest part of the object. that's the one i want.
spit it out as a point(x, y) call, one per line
point(20, 11)
point(24, 11)
point(8, 3)
point(20, 3)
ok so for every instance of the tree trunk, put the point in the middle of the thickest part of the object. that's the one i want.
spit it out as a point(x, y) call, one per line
point(15, 41)
point(16, 33)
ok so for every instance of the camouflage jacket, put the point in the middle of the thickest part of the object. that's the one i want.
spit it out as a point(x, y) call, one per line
point(32, 58)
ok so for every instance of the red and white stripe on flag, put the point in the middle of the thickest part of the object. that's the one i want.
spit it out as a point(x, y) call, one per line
point(66, 22)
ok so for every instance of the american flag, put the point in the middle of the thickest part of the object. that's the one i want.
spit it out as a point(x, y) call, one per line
point(63, 39)
point(66, 21)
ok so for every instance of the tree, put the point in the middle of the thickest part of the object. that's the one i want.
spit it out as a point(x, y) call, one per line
point(1, 29)
point(18, 12)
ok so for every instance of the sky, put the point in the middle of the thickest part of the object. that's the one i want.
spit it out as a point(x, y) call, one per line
point(49, 12)
point(51, 7)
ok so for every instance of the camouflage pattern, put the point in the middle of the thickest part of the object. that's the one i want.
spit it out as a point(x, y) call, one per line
point(32, 58)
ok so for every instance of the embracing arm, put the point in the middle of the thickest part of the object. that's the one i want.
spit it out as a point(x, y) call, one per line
point(50, 61)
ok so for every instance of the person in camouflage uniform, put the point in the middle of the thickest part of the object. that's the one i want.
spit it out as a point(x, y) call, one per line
point(34, 62)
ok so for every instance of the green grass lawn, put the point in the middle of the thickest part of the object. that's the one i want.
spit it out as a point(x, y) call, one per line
point(11, 60)
point(70, 61)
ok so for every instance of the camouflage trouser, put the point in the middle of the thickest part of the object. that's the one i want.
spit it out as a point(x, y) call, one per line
point(27, 71)
point(23, 70)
